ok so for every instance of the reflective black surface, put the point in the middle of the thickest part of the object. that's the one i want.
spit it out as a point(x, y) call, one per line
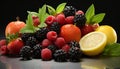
point(85, 63)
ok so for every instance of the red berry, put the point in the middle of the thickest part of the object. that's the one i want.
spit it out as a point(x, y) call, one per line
point(50, 19)
point(3, 50)
point(79, 12)
point(86, 29)
point(60, 42)
point(15, 46)
point(60, 19)
point(2, 42)
point(69, 19)
point(46, 54)
point(66, 48)
point(52, 35)
point(36, 22)
point(95, 26)
point(46, 43)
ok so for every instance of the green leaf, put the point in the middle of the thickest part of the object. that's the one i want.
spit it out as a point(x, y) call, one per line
point(51, 10)
point(97, 18)
point(33, 13)
point(60, 8)
point(29, 28)
point(112, 50)
point(90, 13)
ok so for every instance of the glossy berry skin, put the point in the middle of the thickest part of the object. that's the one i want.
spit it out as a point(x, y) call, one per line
point(60, 19)
point(60, 42)
point(2, 42)
point(46, 43)
point(15, 46)
point(46, 54)
point(86, 29)
point(52, 35)
point(69, 20)
point(3, 50)
point(50, 19)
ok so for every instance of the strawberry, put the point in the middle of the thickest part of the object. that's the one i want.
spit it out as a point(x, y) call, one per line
point(86, 29)
point(3, 50)
point(15, 46)
point(2, 42)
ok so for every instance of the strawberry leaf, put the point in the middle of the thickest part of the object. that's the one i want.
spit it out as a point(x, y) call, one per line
point(97, 18)
point(29, 28)
point(90, 13)
point(60, 8)
point(51, 10)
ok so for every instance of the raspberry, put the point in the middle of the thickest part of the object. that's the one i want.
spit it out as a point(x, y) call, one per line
point(36, 22)
point(66, 48)
point(60, 19)
point(79, 12)
point(2, 42)
point(60, 42)
point(46, 54)
point(46, 43)
point(50, 19)
point(52, 35)
point(3, 50)
point(69, 19)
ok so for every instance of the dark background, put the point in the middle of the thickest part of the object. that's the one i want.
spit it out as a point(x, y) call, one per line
point(9, 10)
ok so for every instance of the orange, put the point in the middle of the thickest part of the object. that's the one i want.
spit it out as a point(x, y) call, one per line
point(70, 32)
point(14, 27)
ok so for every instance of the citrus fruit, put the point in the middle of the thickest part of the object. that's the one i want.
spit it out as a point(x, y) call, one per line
point(93, 43)
point(110, 33)
point(70, 32)
point(14, 27)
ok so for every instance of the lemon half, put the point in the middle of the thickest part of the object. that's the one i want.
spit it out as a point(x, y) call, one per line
point(93, 43)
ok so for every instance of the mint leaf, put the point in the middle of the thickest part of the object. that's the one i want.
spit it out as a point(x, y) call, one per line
point(33, 13)
point(98, 18)
point(112, 50)
point(60, 8)
point(90, 13)
point(51, 10)
point(29, 28)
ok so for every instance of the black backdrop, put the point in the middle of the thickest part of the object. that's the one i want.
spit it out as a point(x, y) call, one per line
point(10, 9)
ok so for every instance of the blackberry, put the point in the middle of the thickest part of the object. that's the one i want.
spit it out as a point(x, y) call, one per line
point(37, 51)
point(69, 11)
point(26, 53)
point(25, 36)
point(60, 55)
point(80, 20)
point(32, 41)
point(53, 48)
point(41, 34)
point(74, 54)
point(74, 44)
point(55, 27)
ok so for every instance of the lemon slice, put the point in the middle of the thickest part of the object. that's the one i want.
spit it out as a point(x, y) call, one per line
point(93, 43)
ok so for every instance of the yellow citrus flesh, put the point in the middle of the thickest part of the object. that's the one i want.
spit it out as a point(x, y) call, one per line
point(93, 43)
point(110, 33)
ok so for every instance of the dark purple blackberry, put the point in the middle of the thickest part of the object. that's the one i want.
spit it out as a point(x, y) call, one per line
point(55, 27)
point(41, 34)
point(74, 54)
point(53, 48)
point(80, 20)
point(69, 11)
point(26, 53)
point(32, 41)
point(25, 36)
point(60, 56)
point(37, 51)
point(74, 44)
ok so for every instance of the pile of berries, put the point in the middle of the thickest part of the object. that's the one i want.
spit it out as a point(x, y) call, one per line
point(47, 42)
